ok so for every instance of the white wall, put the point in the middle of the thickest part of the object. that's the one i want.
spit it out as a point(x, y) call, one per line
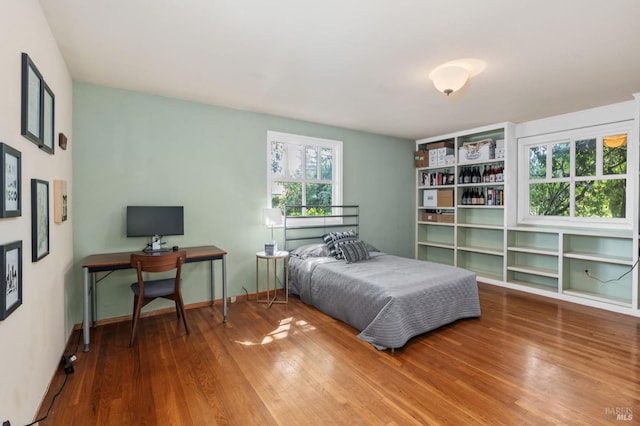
point(33, 337)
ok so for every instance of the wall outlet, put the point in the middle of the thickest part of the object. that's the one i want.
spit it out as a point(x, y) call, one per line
point(587, 273)
point(233, 299)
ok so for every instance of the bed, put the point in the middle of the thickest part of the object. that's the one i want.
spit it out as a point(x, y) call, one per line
point(389, 299)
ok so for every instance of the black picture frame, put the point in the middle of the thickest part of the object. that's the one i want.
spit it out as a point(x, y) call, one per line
point(39, 219)
point(48, 119)
point(11, 279)
point(38, 107)
point(31, 124)
point(10, 181)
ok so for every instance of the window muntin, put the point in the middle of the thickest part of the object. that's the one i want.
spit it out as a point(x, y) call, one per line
point(305, 171)
point(577, 176)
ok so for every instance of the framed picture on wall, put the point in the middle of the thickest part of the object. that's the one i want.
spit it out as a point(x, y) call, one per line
point(48, 111)
point(10, 178)
point(39, 219)
point(38, 107)
point(11, 280)
point(32, 89)
point(59, 201)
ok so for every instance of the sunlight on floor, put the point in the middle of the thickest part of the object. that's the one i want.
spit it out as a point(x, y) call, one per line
point(286, 328)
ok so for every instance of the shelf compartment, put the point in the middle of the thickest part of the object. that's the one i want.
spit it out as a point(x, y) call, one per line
point(483, 264)
point(436, 254)
point(533, 281)
point(533, 242)
point(533, 264)
point(481, 239)
point(613, 291)
point(599, 248)
point(495, 134)
point(620, 260)
point(598, 298)
point(532, 250)
point(481, 215)
point(532, 270)
point(436, 234)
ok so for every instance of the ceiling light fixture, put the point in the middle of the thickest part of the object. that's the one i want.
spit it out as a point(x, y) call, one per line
point(449, 79)
point(452, 76)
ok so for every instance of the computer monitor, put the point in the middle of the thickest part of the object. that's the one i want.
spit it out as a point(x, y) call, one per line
point(151, 221)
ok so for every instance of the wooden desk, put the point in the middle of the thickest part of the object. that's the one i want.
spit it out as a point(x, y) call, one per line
point(109, 262)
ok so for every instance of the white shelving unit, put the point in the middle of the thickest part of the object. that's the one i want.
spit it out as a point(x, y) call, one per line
point(594, 267)
point(475, 239)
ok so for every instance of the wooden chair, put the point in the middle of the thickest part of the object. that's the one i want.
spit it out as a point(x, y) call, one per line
point(167, 288)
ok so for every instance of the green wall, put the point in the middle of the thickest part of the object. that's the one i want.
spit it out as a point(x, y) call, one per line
point(133, 148)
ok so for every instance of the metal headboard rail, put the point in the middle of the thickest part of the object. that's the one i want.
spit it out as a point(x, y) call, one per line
point(308, 229)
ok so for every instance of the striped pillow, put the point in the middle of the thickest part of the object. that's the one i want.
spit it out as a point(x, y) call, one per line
point(335, 239)
point(354, 251)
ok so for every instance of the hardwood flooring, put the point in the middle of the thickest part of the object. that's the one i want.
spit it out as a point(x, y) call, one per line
point(528, 360)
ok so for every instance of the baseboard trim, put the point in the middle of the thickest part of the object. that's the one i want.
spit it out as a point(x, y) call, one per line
point(162, 311)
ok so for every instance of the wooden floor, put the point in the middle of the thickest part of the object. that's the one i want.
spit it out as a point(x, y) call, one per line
point(527, 360)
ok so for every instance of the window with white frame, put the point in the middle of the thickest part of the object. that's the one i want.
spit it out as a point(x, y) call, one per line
point(304, 171)
point(578, 176)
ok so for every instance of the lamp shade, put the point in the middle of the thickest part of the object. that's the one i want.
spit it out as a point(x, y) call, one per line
point(449, 78)
point(273, 218)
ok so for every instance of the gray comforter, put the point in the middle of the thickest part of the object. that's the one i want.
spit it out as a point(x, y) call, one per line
point(389, 299)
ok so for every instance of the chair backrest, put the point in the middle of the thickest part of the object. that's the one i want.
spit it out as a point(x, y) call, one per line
point(158, 262)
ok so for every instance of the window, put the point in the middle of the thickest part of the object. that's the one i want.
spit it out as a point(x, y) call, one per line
point(577, 176)
point(304, 171)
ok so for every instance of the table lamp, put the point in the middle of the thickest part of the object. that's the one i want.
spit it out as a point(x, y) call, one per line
point(273, 219)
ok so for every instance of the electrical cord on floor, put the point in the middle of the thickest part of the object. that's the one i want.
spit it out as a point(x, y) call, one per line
point(66, 377)
point(588, 274)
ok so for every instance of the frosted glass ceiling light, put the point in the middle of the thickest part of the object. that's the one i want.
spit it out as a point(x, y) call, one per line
point(449, 79)
point(453, 75)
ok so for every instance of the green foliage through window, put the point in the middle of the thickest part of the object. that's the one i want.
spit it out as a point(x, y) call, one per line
point(303, 172)
point(584, 178)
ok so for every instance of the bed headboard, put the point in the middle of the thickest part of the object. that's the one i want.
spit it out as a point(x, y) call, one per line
point(307, 229)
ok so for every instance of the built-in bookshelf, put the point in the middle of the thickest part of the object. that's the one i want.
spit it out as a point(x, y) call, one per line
point(474, 224)
point(461, 197)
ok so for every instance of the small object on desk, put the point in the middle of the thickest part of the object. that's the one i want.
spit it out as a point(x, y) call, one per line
point(175, 248)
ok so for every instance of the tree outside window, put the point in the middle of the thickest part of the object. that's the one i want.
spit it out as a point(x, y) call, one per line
point(577, 177)
point(304, 171)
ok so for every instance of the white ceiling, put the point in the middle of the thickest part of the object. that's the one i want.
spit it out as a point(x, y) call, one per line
point(360, 64)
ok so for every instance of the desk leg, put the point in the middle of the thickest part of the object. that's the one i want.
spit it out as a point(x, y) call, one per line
point(224, 288)
point(85, 308)
point(94, 300)
point(213, 284)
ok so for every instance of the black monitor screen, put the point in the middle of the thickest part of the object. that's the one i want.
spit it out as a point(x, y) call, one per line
point(147, 221)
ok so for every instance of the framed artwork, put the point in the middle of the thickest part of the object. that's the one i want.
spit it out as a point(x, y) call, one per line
point(38, 107)
point(48, 111)
point(31, 127)
point(59, 201)
point(11, 280)
point(39, 219)
point(10, 178)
